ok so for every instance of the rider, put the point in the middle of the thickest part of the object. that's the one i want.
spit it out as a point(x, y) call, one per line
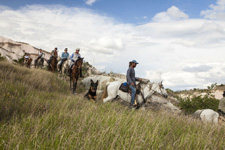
point(131, 80)
point(64, 57)
point(74, 58)
point(221, 108)
point(52, 55)
point(26, 57)
point(40, 56)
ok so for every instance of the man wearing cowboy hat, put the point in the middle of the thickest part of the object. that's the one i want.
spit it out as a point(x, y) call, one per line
point(131, 80)
point(221, 108)
point(74, 58)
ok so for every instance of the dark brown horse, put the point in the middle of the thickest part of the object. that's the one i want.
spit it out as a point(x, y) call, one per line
point(53, 62)
point(76, 73)
point(28, 62)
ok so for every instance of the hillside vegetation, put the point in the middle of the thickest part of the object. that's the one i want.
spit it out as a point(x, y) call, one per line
point(37, 111)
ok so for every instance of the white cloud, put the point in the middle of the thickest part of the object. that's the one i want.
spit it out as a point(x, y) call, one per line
point(216, 11)
point(90, 2)
point(173, 13)
point(177, 49)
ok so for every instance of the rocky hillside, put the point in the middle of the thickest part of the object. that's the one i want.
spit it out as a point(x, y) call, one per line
point(214, 91)
point(13, 50)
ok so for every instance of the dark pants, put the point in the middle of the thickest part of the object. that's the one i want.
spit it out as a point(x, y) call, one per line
point(61, 63)
point(39, 57)
point(50, 59)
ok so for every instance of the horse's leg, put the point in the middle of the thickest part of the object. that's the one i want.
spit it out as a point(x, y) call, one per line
point(109, 98)
point(74, 84)
point(111, 95)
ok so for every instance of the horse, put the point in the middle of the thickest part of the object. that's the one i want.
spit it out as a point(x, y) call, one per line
point(28, 63)
point(76, 73)
point(65, 67)
point(207, 116)
point(53, 63)
point(39, 63)
point(112, 91)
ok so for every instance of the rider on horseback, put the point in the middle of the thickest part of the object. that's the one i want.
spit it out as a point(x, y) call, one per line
point(131, 80)
point(221, 108)
point(40, 56)
point(26, 57)
point(64, 57)
point(53, 55)
point(75, 56)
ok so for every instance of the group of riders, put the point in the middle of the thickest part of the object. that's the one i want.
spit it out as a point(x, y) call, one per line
point(130, 76)
point(54, 53)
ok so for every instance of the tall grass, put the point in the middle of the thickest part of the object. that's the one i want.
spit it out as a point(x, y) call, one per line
point(46, 116)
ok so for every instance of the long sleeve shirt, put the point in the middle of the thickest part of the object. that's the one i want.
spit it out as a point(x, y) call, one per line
point(131, 76)
point(75, 56)
point(65, 55)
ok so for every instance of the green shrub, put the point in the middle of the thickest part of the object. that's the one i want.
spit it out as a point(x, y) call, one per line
point(1, 57)
point(190, 105)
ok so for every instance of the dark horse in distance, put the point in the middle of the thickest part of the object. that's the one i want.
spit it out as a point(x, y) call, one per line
point(53, 63)
point(75, 73)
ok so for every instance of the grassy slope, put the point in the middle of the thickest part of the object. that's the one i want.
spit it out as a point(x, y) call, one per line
point(37, 111)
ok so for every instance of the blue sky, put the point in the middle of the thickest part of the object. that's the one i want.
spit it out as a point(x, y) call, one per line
point(178, 41)
point(128, 11)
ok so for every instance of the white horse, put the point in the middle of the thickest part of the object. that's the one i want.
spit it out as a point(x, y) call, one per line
point(207, 116)
point(64, 71)
point(112, 91)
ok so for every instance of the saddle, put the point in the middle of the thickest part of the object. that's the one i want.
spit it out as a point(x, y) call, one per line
point(125, 88)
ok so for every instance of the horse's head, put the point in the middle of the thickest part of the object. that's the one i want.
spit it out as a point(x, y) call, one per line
point(79, 62)
point(93, 86)
point(159, 88)
point(151, 88)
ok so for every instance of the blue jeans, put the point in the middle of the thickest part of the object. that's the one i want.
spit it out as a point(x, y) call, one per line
point(133, 92)
point(62, 62)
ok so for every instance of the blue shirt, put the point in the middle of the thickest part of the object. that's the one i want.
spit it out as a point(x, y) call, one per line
point(65, 55)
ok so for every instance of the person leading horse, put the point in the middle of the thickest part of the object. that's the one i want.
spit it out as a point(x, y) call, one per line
point(131, 80)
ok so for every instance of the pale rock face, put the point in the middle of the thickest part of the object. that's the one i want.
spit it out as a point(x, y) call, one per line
point(217, 93)
point(13, 50)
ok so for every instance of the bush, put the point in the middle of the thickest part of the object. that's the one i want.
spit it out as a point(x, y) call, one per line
point(190, 105)
point(1, 57)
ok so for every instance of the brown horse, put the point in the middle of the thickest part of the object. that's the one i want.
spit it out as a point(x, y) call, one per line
point(76, 73)
point(28, 62)
point(53, 63)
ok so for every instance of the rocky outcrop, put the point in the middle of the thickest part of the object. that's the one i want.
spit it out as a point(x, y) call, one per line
point(157, 102)
point(13, 51)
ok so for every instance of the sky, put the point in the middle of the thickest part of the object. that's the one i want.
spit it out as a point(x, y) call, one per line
point(180, 42)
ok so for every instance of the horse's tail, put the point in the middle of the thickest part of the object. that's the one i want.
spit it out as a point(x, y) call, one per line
point(216, 118)
point(105, 93)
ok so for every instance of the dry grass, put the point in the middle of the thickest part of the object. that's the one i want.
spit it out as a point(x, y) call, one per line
point(47, 117)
